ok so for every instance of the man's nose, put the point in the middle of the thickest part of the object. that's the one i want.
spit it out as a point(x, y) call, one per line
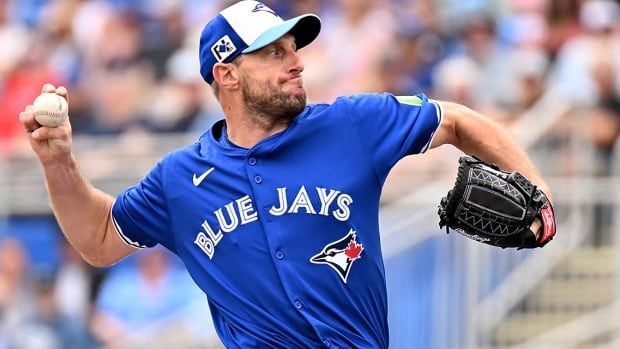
point(298, 64)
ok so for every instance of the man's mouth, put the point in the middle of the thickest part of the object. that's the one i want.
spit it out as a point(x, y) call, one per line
point(296, 80)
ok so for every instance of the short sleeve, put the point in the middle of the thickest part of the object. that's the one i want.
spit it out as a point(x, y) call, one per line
point(140, 214)
point(392, 127)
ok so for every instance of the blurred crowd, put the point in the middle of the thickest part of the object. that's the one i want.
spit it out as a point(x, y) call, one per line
point(131, 66)
point(75, 306)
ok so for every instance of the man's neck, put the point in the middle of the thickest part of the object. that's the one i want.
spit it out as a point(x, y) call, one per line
point(247, 133)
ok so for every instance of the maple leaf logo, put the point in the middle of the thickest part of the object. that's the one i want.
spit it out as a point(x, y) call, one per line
point(354, 250)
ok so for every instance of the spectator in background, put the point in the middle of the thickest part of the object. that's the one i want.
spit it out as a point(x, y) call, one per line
point(55, 27)
point(563, 24)
point(23, 66)
point(19, 87)
point(418, 47)
point(572, 74)
point(479, 44)
point(16, 291)
point(528, 77)
point(178, 102)
point(163, 289)
point(113, 44)
point(455, 80)
point(163, 33)
point(48, 328)
point(524, 26)
point(29, 316)
point(74, 285)
point(118, 110)
point(355, 49)
point(606, 114)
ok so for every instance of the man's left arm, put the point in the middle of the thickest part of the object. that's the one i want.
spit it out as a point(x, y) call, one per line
point(475, 134)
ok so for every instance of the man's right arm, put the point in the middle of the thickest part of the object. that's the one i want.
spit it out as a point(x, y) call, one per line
point(83, 212)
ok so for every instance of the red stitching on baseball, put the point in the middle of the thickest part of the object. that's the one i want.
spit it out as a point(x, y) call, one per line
point(49, 113)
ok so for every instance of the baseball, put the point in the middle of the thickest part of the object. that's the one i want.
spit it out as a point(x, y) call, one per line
point(50, 109)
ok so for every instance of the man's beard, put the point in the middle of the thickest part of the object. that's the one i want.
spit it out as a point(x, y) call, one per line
point(270, 106)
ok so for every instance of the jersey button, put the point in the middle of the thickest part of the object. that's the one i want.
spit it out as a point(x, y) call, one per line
point(252, 161)
point(279, 254)
point(258, 179)
point(327, 343)
point(298, 304)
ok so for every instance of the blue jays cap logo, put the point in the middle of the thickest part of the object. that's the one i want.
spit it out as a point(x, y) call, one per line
point(340, 255)
point(261, 7)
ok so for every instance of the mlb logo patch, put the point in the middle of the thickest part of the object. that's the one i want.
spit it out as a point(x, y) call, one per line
point(223, 48)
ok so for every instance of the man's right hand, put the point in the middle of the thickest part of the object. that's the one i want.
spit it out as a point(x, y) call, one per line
point(49, 143)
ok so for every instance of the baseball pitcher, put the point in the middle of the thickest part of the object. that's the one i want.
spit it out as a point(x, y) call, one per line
point(274, 210)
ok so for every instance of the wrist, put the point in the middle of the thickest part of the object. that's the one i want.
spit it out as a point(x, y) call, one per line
point(58, 163)
point(547, 191)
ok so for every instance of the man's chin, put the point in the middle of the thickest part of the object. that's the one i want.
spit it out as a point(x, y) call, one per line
point(300, 101)
point(296, 105)
point(297, 92)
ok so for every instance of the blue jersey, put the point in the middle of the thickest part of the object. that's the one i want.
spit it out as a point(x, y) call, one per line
point(284, 237)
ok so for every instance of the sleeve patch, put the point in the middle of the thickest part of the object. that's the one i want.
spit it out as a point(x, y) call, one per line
point(410, 100)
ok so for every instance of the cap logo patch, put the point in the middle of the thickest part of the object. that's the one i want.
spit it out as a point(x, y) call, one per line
point(261, 7)
point(223, 48)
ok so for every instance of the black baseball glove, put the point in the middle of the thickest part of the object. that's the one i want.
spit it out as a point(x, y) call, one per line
point(496, 207)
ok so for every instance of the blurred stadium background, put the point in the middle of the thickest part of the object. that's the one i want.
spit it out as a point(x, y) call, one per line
point(549, 70)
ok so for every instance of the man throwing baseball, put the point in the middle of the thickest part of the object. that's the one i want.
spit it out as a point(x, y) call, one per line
point(274, 210)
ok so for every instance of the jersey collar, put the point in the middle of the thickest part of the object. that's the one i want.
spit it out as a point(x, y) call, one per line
point(211, 140)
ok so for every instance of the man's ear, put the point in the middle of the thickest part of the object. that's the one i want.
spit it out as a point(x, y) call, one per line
point(226, 75)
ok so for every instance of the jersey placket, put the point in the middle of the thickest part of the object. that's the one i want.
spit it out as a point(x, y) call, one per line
point(259, 183)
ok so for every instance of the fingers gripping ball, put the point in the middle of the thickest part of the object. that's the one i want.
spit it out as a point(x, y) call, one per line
point(50, 109)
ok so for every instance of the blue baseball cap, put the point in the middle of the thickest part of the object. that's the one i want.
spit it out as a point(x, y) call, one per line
point(248, 26)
